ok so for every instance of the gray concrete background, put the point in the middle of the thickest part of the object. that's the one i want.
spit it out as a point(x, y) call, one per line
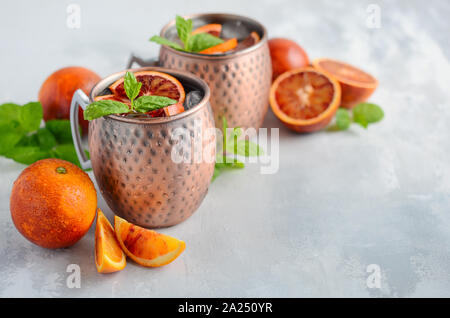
point(339, 202)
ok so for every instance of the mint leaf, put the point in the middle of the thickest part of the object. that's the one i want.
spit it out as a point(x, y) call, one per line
point(343, 119)
point(9, 112)
point(164, 41)
point(248, 149)
point(230, 163)
point(104, 107)
point(66, 152)
point(60, 128)
point(184, 29)
point(29, 140)
point(202, 41)
point(367, 113)
point(46, 139)
point(148, 103)
point(27, 155)
point(132, 86)
point(30, 116)
point(9, 139)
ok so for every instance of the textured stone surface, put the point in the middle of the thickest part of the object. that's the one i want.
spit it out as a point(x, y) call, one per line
point(339, 202)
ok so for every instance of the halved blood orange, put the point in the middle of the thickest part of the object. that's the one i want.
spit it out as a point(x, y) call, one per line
point(251, 40)
point(147, 247)
point(213, 29)
point(222, 47)
point(109, 256)
point(356, 85)
point(153, 83)
point(305, 99)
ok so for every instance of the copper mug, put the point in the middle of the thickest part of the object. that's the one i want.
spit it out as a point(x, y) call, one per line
point(131, 157)
point(239, 81)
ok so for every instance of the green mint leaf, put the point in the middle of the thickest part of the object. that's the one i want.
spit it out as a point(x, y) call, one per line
point(236, 133)
point(66, 152)
point(29, 140)
point(104, 107)
point(27, 155)
point(230, 163)
point(46, 139)
point(184, 29)
point(60, 128)
point(9, 139)
point(30, 116)
point(148, 103)
point(132, 86)
point(343, 119)
point(164, 41)
point(216, 173)
point(202, 41)
point(9, 112)
point(245, 148)
point(367, 113)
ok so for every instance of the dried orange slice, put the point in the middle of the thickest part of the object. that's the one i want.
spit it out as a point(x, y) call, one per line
point(305, 99)
point(356, 85)
point(222, 47)
point(153, 83)
point(109, 256)
point(213, 29)
point(147, 247)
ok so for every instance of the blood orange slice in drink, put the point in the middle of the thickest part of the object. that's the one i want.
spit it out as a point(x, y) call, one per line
point(153, 83)
point(305, 99)
point(147, 247)
point(112, 97)
point(251, 40)
point(356, 85)
point(222, 47)
point(213, 29)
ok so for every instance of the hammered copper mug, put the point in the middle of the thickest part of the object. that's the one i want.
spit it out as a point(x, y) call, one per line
point(239, 81)
point(131, 157)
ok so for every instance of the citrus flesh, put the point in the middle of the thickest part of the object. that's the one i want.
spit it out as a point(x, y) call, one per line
point(153, 83)
point(357, 86)
point(222, 47)
point(213, 29)
point(305, 99)
point(109, 256)
point(147, 247)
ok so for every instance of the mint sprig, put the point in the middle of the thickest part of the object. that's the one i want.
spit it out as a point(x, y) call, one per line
point(25, 141)
point(232, 146)
point(191, 42)
point(363, 114)
point(132, 88)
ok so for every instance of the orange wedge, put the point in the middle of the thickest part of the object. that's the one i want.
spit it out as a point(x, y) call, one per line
point(213, 29)
point(222, 47)
point(147, 247)
point(305, 99)
point(356, 85)
point(109, 256)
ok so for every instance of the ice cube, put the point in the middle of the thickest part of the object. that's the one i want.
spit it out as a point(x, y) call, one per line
point(234, 29)
point(192, 99)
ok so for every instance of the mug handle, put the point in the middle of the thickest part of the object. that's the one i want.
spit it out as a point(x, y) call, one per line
point(141, 62)
point(79, 99)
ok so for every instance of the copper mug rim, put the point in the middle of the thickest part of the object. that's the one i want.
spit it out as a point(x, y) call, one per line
point(106, 81)
point(223, 55)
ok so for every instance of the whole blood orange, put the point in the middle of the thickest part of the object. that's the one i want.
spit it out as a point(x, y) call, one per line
point(53, 203)
point(57, 90)
point(305, 99)
point(356, 85)
point(286, 55)
point(146, 247)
